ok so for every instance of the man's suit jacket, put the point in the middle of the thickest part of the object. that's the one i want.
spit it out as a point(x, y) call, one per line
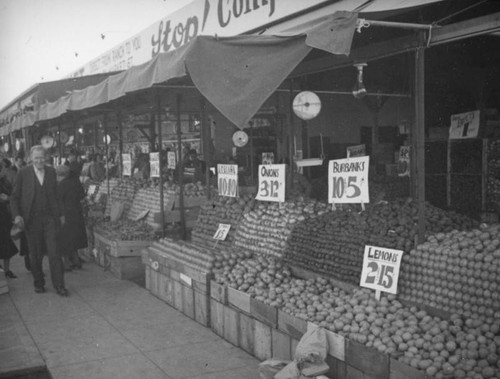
point(21, 201)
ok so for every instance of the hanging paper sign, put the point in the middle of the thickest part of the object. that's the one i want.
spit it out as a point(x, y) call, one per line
point(356, 151)
point(348, 180)
point(154, 163)
point(171, 160)
point(222, 231)
point(267, 158)
point(464, 125)
point(381, 269)
point(91, 190)
point(404, 161)
point(127, 164)
point(227, 179)
point(271, 183)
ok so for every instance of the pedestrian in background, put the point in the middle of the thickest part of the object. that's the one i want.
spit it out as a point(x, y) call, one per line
point(7, 247)
point(35, 208)
point(72, 235)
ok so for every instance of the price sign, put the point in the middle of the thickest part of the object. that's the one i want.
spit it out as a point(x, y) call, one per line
point(348, 180)
point(91, 190)
point(171, 160)
point(154, 163)
point(464, 125)
point(356, 151)
point(271, 183)
point(404, 161)
point(267, 158)
point(127, 164)
point(381, 269)
point(227, 179)
point(221, 233)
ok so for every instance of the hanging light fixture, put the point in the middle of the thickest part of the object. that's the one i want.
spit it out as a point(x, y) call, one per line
point(359, 90)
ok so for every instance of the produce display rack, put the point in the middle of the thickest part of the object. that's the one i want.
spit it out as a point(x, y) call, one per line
point(184, 288)
point(122, 258)
point(266, 332)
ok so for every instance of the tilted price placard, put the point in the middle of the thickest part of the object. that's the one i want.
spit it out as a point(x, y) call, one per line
point(154, 164)
point(222, 231)
point(348, 180)
point(381, 269)
point(91, 190)
point(127, 164)
point(272, 181)
point(227, 179)
point(356, 151)
point(171, 160)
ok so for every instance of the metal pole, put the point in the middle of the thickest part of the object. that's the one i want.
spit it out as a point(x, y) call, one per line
point(420, 138)
point(160, 148)
point(349, 93)
point(105, 129)
point(291, 138)
point(181, 166)
point(205, 139)
point(59, 141)
point(120, 140)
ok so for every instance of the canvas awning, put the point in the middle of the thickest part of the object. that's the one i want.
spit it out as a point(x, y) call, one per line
point(236, 74)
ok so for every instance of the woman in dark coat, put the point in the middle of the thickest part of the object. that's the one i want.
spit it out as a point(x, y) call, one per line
point(73, 235)
point(7, 247)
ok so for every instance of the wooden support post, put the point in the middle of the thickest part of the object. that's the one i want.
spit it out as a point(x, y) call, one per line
point(420, 138)
point(160, 148)
point(120, 140)
point(181, 167)
point(206, 140)
point(105, 129)
point(59, 141)
point(291, 139)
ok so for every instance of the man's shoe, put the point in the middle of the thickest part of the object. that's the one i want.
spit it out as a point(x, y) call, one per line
point(39, 289)
point(61, 291)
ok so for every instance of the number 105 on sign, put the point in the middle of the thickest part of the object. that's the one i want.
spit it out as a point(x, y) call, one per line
point(348, 180)
point(381, 269)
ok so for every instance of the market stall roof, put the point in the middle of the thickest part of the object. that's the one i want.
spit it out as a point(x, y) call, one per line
point(236, 74)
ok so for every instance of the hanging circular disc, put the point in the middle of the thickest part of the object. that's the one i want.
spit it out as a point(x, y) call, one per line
point(306, 105)
point(240, 138)
point(47, 142)
point(6, 147)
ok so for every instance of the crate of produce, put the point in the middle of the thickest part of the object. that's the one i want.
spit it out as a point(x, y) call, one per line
point(180, 274)
point(119, 248)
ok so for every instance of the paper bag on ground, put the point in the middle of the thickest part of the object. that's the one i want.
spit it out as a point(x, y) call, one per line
point(269, 368)
point(290, 371)
point(312, 347)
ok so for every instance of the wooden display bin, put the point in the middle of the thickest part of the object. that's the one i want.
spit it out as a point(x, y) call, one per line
point(184, 288)
point(122, 258)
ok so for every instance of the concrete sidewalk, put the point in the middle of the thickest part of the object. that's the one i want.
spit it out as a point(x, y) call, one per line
point(108, 328)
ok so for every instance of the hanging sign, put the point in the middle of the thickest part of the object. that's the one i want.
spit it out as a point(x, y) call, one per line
point(227, 179)
point(356, 151)
point(464, 125)
point(91, 190)
point(271, 183)
point(127, 164)
point(267, 158)
point(348, 180)
point(171, 160)
point(404, 161)
point(154, 164)
point(222, 231)
point(381, 269)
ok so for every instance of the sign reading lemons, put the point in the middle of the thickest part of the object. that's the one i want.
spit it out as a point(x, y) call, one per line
point(227, 179)
point(271, 183)
point(348, 180)
point(381, 269)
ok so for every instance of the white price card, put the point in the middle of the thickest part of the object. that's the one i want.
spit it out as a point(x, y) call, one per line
point(404, 161)
point(154, 164)
point(91, 190)
point(222, 232)
point(186, 279)
point(356, 151)
point(227, 180)
point(127, 164)
point(381, 269)
point(171, 160)
point(272, 182)
point(348, 180)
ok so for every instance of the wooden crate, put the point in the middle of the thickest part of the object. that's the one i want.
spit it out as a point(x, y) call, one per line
point(262, 341)
point(247, 333)
point(366, 360)
point(281, 345)
point(218, 292)
point(118, 248)
point(239, 299)
point(291, 325)
point(217, 317)
point(231, 325)
point(264, 313)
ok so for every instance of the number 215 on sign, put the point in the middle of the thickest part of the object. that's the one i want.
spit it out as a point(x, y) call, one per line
point(381, 269)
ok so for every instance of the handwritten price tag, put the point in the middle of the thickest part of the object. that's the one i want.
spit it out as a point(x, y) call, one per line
point(127, 164)
point(227, 175)
point(154, 163)
point(271, 183)
point(348, 180)
point(381, 269)
point(171, 160)
point(222, 231)
point(91, 190)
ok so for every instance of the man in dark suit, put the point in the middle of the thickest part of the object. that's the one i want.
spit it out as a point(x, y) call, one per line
point(35, 207)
